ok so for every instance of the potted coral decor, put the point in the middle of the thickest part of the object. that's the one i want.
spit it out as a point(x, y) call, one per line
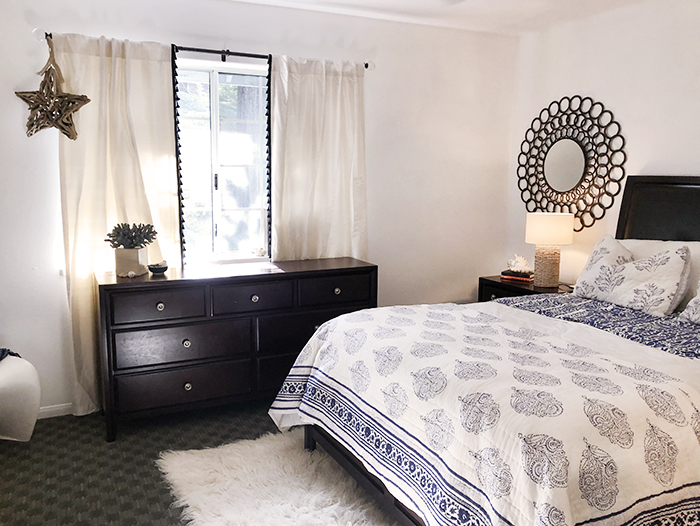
point(130, 244)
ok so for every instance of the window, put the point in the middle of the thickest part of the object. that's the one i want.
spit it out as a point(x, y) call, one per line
point(223, 153)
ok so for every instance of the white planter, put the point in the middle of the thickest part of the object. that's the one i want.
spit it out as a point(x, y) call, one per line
point(131, 262)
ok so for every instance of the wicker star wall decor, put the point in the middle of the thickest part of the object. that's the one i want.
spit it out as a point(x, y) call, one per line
point(50, 107)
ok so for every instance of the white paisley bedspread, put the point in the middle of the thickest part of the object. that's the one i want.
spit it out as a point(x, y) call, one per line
point(485, 414)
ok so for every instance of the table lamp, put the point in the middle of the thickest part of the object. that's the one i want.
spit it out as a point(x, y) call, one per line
point(548, 231)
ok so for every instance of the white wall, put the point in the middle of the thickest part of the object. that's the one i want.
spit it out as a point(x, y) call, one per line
point(643, 63)
point(438, 108)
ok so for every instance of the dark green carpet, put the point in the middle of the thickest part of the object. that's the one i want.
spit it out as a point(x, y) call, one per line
point(68, 475)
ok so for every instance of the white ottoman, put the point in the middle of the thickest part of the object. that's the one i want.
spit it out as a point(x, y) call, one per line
point(20, 395)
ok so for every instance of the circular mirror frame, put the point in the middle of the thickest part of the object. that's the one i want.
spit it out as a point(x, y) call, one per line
point(596, 131)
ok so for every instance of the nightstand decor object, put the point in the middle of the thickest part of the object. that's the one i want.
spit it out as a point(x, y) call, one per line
point(548, 231)
point(518, 270)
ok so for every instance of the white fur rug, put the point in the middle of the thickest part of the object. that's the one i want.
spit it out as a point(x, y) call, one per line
point(269, 481)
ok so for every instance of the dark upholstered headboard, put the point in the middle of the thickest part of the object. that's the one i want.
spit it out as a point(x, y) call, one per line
point(660, 207)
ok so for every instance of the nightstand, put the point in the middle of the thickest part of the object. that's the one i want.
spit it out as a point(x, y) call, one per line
point(492, 287)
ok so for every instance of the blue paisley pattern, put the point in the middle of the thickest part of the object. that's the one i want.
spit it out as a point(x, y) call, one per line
point(598, 477)
point(534, 402)
point(475, 415)
point(544, 460)
point(438, 429)
point(670, 334)
point(494, 474)
point(548, 515)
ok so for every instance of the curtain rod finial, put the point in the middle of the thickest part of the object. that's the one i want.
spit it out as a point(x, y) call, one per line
point(40, 34)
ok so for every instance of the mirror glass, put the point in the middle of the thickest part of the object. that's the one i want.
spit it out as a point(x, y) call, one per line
point(564, 165)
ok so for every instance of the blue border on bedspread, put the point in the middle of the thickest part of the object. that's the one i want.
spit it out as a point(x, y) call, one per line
point(670, 334)
point(315, 394)
point(312, 391)
point(409, 466)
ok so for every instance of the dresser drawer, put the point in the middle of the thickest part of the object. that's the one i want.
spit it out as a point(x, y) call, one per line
point(153, 305)
point(288, 333)
point(334, 289)
point(176, 344)
point(273, 370)
point(181, 386)
point(253, 297)
point(488, 292)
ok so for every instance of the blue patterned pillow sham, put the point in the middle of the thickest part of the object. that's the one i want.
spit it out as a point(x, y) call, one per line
point(692, 311)
point(671, 334)
point(655, 285)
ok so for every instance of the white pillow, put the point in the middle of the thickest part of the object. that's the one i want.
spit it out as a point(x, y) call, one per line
point(655, 284)
point(643, 248)
point(692, 311)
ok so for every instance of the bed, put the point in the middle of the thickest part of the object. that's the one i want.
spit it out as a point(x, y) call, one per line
point(544, 410)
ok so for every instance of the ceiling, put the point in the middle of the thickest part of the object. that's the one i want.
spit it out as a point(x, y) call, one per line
point(498, 16)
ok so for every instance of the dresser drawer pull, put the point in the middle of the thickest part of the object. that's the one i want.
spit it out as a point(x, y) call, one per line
point(186, 343)
point(493, 296)
point(160, 307)
point(316, 327)
point(337, 291)
point(187, 386)
point(255, 298)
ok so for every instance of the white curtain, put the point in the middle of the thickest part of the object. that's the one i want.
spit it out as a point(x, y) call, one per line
point(120, 169)
point(319, 202)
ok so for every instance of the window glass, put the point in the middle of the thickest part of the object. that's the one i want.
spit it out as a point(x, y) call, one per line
point(240, 231)
point(241, 187)
point(222, 132)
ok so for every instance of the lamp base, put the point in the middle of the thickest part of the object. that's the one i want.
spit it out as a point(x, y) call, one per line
point(547, 265)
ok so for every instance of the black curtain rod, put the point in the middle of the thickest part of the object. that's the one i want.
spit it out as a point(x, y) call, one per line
point(225, 52)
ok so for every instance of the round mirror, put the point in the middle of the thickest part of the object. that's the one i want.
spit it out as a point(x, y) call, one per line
point(564, 165)
point(572, 160)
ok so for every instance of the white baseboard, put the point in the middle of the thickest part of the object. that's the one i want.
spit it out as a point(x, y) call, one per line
point(55, 410)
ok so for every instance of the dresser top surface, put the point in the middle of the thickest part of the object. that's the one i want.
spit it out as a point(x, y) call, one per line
point(232, 270)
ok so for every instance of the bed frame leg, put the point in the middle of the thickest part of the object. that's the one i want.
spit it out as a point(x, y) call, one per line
point(309, 440)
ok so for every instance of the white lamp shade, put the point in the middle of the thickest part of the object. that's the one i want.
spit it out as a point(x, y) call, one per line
point(543, 228)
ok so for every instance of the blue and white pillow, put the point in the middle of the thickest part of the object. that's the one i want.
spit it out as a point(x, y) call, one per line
point(655, 285)
point(643, 248)
point(692, 311)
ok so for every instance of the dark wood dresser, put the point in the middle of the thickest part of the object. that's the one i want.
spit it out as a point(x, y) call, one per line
point(176, 342)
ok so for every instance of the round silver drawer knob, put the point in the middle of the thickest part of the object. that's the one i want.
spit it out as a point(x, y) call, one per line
point(255, 298)
point(187, 386)
point(316, 327)
point(337, 291)
point(493, 296)
point(160, 306)
point(186, 344)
